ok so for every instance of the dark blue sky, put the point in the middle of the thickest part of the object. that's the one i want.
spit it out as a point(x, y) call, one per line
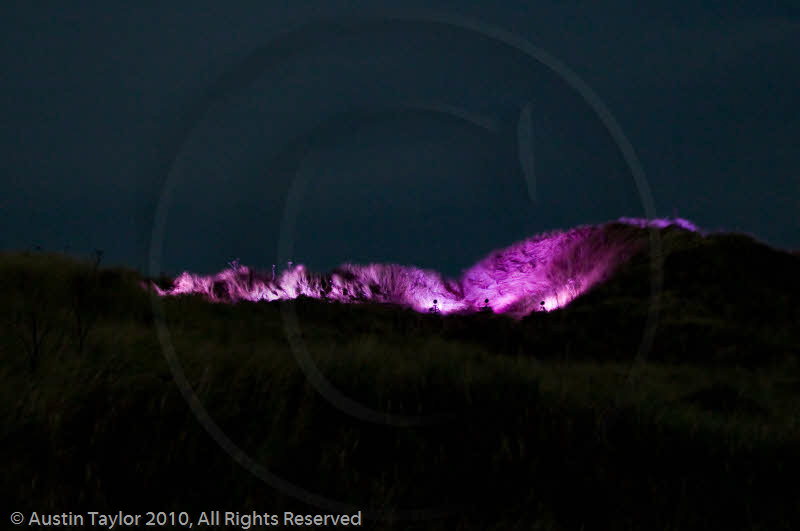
point(405, 134)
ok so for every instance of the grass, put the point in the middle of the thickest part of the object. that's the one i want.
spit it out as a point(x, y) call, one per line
point(545, 427)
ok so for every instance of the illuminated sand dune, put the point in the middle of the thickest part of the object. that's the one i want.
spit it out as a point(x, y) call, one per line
point(553, 268)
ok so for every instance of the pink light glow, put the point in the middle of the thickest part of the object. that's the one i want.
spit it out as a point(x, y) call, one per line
point(554, 267)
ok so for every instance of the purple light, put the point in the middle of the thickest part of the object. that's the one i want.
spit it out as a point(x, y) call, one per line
point(554, 267)
point(661, 223)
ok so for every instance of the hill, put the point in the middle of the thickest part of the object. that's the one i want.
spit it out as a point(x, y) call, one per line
point(541, 273)
point(502, 423)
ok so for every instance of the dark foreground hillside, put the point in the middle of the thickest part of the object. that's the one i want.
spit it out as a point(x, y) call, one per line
point(558, 421)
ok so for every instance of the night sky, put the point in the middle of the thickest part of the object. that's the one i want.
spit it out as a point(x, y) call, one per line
point(396, 140)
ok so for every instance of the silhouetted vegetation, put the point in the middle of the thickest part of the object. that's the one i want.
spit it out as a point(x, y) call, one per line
point(544, 427)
